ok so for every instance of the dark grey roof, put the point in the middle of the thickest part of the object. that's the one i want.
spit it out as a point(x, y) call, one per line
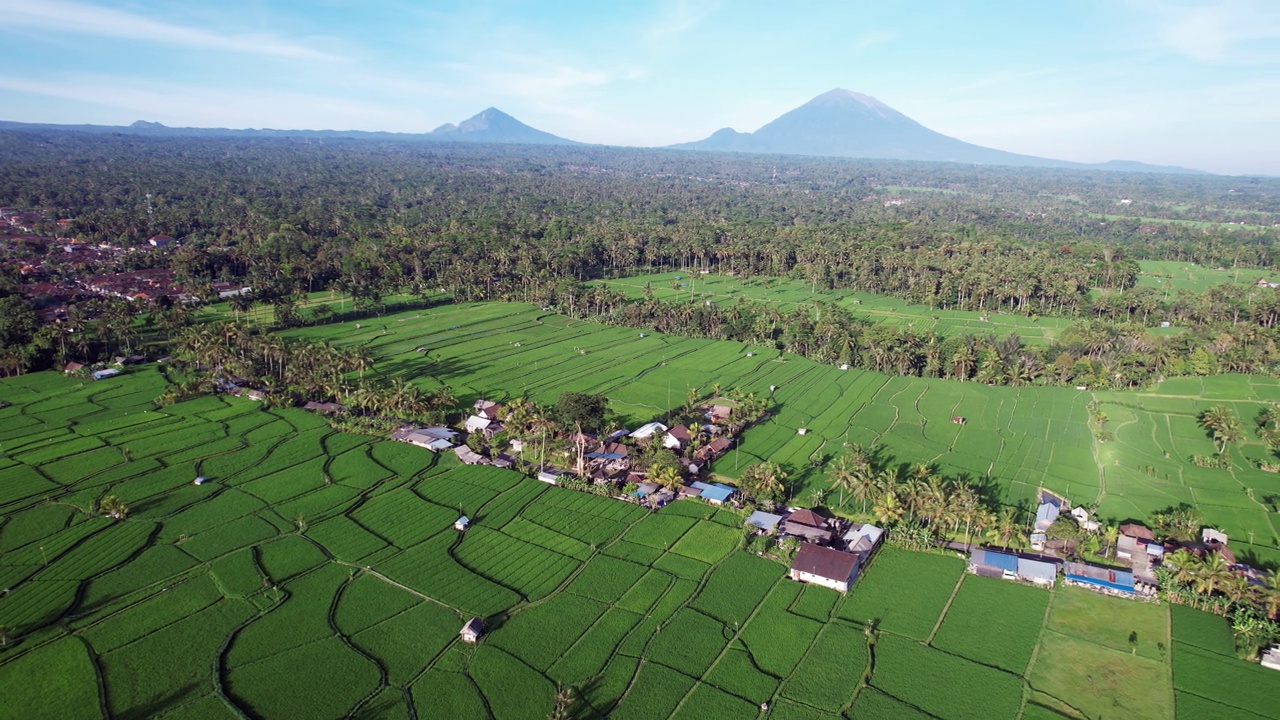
point(825, 562)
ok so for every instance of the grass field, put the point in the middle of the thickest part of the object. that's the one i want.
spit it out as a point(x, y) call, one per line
point(787, 295)
point(336, 553)
point(1175, 276)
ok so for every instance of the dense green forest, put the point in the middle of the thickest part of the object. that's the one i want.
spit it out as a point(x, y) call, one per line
point(373, 219)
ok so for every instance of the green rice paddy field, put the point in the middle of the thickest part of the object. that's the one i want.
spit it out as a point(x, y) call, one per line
point(786, 295)
point(1015, 439)
point(318, 574)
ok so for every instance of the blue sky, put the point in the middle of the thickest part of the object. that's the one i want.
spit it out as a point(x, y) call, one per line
point(1161, 81)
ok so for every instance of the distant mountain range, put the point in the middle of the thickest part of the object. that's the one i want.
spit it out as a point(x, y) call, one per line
point(487, 126)
point(839, 123)
point(842, 123)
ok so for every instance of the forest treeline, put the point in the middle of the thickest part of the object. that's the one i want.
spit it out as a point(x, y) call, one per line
point(372, 219)
point(1099, 353)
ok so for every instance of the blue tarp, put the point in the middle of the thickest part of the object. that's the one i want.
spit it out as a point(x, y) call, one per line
point(605, 456)
point(990, 558)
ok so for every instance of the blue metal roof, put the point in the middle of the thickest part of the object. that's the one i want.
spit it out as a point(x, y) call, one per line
point(991, 558)
point(713, 491)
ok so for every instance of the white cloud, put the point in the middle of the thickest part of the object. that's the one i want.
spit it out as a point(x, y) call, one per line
point(873, 38)
point(67, 16)
point(680, 17)
point(1213, 31)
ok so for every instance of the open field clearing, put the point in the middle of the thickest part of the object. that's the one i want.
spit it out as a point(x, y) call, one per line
point(310, 548)
point(1174, 276)
point(787, 295)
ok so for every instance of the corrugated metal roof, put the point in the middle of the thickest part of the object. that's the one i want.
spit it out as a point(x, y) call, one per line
point(1037, 570)
point(991, 558)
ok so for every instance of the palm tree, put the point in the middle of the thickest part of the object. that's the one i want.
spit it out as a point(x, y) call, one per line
point(842, 477)
point(1213, 575)
point(565, 699)
point(1185, 565)
point(113, 507)
point(1269, 595)
point(889, 509)
point(763, 481)
point(1005, 526)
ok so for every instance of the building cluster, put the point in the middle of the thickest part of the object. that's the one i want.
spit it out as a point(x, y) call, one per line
point(55, 271)
point(606, 461)
point(832, 551)
point(1137, 554)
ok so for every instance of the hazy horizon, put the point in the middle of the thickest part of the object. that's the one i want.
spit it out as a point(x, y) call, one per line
point(1156, 81)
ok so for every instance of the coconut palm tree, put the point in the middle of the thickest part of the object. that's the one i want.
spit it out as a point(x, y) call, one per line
point(1213, 574)
point(113, 507)
point(888, 510)
point(1269, 595)
point(1185, 565)
point(842, 477)
point(1004, 526)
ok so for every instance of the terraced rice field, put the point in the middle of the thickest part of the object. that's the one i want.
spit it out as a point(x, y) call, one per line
point(1015, 439)
point(311, 555)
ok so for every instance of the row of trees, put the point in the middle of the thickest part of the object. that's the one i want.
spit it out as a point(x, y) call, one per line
point(295, 371)
point(1209, 583)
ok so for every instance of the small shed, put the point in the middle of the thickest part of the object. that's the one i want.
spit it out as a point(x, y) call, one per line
point(256, 395)
point(472, 631)
point(200, 480)
point(462, 523)
point(476, 423)
point(105, 373)
point(1211, 535)
point(863, 538)
point(72, 367)
point(958, 420)
point(548, 477)
point(766, 522)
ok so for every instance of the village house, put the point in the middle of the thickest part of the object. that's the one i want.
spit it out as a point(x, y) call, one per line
point(486, 409)
point(714, 493)
point(324, 408)
point(1083, 520)
point(469, 456)
point(824, 566)
point(434, 439)
point(676, 438)
point(863, 539)
point(807, 524)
